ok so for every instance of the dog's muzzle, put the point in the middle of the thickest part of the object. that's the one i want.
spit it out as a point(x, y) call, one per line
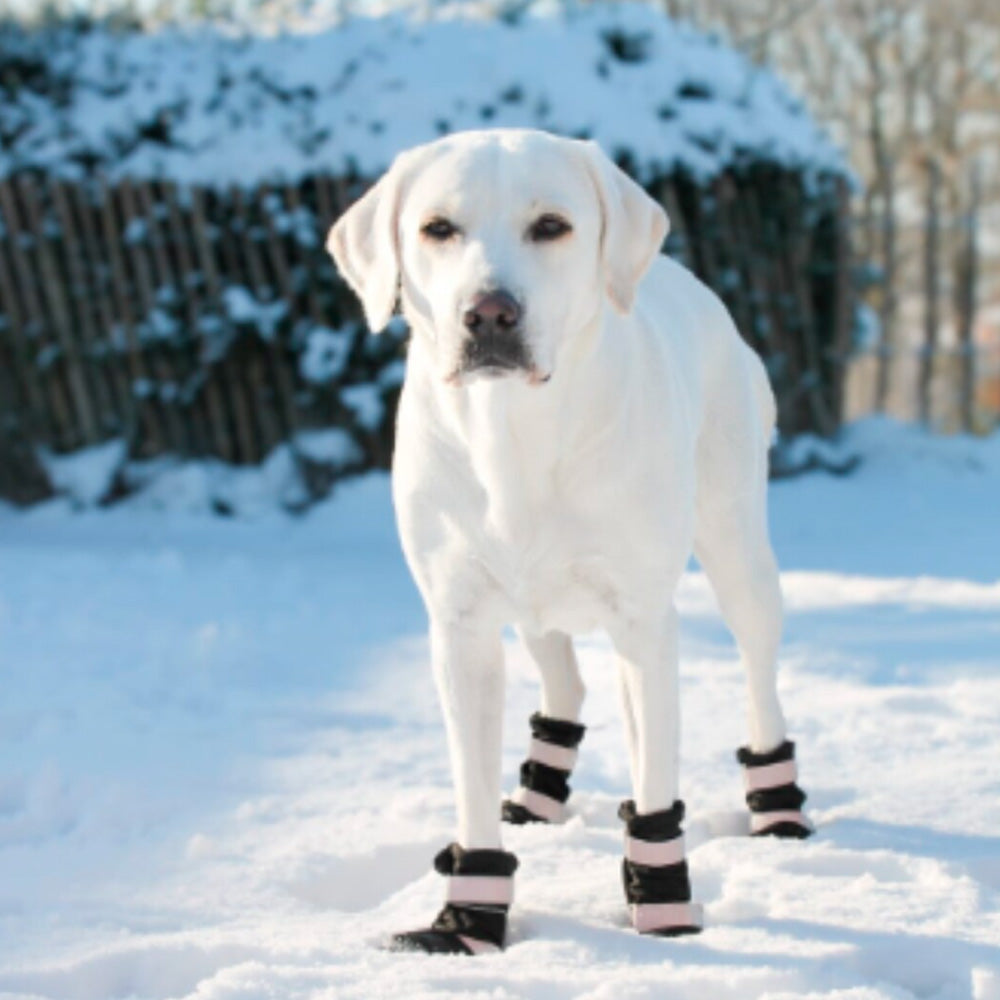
point(495, 342)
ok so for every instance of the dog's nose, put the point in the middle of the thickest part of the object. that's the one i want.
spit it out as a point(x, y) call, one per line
point(492, 312)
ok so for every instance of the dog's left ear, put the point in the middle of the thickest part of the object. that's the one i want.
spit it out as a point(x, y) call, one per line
point(364, 243)
point(634, 227)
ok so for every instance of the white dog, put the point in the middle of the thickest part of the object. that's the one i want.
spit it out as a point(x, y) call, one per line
point(579, 414)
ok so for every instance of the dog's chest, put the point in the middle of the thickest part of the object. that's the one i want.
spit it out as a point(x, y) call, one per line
point(548, 516)
point(549, 523)
point(558, 564)
point(553, 585)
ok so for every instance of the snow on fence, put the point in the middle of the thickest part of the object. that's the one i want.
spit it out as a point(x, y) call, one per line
point(207, 322)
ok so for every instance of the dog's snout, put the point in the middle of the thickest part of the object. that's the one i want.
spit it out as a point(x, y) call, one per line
point(492, 312)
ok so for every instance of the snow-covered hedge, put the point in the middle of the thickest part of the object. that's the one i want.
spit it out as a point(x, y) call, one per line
point(179, 186)
point(203, 107)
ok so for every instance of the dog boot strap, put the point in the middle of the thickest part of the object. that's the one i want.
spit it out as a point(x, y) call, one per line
point(772, 792)
point(655, 872)
point(544, 788)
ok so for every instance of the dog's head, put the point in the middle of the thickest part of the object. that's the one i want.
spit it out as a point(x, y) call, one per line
point(501, 246)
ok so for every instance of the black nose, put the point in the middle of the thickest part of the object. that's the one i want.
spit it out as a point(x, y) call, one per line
point(492, 313)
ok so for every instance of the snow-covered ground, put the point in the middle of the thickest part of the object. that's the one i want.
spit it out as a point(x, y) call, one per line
point(222, 773)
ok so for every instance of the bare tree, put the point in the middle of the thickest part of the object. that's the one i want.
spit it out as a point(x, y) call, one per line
point(911, 88)
point(932, 286)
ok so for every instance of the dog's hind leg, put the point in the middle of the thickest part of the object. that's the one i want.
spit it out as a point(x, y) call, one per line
point(562, 686)
point(555, 733)
point(732, 545)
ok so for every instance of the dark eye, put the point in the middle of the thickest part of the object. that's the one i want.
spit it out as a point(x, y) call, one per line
point(548, 227)
point(439, 230)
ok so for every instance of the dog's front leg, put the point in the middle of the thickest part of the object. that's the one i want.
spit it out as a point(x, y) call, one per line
point(654, 871)
point(647, 659)
point(469, 673)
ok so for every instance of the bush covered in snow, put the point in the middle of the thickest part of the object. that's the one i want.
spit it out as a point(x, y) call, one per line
point(179, 185)
point(204, 107)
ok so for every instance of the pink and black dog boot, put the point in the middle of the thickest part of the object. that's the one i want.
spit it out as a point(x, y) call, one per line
point(655, 872)
point(544, 789)
point(773, 795)
point(474, 918)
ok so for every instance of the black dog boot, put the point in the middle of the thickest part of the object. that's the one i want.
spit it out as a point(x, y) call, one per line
point(545, 774)
point(655, 872)
point(474, 918)
point(774, 798)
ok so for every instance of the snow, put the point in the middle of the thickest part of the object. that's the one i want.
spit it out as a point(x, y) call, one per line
point(329, 444)
point(242, 307)
point(91, 476)
point(223, 774)
point(365, 402)
point(279, 482)
point(85, 476)
point(205, 106)
point(326, 353)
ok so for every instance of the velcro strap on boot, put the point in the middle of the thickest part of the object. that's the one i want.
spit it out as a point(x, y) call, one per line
point(489, 890)
point(655, 872)
point(772, 792)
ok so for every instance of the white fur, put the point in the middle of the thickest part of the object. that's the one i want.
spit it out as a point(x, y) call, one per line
point(572, 504)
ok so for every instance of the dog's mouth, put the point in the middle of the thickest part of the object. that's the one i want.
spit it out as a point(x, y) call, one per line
point(488, 369)
point(461, 376)
point(496, 352)
point(496, 356)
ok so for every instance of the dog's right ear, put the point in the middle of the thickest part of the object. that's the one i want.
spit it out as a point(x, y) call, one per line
point(634, 227)
point(364, 243)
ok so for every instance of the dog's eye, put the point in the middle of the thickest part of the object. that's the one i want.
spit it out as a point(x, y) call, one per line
point(439, 230)
point(548, 227)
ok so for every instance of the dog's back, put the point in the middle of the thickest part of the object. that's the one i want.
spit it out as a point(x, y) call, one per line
point(724, 379)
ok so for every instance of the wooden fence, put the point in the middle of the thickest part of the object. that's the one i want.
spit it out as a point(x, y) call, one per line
point(178, 318)
point(117, 321)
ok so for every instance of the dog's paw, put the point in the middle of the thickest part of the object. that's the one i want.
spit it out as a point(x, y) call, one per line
point(544, 789)
point(773, 794)
point(655, 872)
point(474, 920)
